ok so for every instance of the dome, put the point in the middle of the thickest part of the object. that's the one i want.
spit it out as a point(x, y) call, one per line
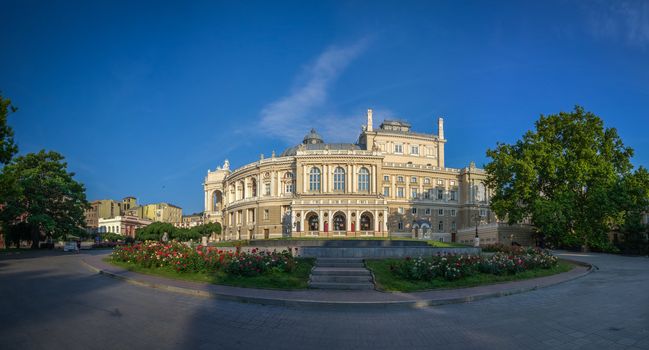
point(312, 138)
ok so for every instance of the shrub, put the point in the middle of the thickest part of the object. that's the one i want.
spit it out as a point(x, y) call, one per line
point(452, 267)
point(184, 258)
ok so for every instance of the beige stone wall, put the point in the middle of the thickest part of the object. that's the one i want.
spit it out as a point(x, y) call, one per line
point(498, 233)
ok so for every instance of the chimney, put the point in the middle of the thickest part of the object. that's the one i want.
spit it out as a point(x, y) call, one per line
point(440, 128)
point(369, 119)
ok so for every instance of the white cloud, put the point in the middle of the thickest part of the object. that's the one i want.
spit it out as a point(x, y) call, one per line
point(620, 20)
point(291, 117)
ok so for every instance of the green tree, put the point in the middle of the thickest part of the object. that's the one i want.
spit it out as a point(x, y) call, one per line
point(38, 190)
point(208, 229)
point(155, 231)
point(634, 190)
point(7, 146)
point(567, 176)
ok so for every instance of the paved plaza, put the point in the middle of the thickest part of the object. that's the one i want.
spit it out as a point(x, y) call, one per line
point(53, 301)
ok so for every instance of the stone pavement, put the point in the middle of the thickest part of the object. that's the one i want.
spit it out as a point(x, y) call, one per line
point(332, 298)
point(52, 301)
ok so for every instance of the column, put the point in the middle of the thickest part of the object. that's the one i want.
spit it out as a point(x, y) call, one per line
point(348, 217)
point(304, 176)
point(358, 221)
point(325, 178)
point(373, 178)
point(348, 170)
point(393, 184)
point(376, 221)
point(206, 202)
point(352, 179)
point(320, 221)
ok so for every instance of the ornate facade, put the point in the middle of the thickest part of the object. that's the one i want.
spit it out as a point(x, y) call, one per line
point(391, 182)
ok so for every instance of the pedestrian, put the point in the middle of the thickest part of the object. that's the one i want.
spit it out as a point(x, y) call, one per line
point(78, 246)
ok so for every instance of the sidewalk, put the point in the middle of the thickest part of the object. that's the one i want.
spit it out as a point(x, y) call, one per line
point(334, 299)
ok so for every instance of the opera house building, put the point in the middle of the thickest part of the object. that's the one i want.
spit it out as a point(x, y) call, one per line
point(393, 182)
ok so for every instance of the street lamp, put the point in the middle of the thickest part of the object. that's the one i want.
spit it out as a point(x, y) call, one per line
point(476, 240)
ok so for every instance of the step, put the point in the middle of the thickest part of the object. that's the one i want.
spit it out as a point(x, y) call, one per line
point(348, 286)
point(341, 279)
point(341, 260)
point(340, 271)
point(338, 265)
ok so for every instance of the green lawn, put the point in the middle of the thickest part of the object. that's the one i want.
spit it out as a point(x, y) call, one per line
point(386, 280)
point(297, 279)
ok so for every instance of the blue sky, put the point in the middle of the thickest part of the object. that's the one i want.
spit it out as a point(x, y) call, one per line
point(143, 97)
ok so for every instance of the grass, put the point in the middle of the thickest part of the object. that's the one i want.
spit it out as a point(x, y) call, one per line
point(386, 280)
point(298, 279)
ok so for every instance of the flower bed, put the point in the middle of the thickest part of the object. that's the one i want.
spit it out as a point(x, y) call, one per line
point(454, 267)
point(183, 258)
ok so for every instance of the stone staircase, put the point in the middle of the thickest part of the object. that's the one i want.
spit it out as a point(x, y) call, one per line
point(340, 273)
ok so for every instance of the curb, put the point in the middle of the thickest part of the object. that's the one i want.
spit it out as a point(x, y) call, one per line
point(337, 305)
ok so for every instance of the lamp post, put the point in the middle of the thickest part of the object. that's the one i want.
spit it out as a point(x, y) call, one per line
point(476, 240)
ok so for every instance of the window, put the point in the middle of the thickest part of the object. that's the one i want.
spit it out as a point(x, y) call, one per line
point(427, 211)
point(314, 179)
point(440, 181)
point(414, 193)
point(414, 150)
point(414, 210)
point(426, 195)
point(239, 215)
point(288, 181)
point(400, 225)
point(399, 178)
point(440, 225)
point(453, 212)
point(251, 215)
point(266, 214)
point(339, 222)
point(400, 210)
point(386, 191)
point(386, 178)
point(453, 195)
point(400, 192)
point(452, 182)
point(440, 194)
point(398, 148)
point(440, 212)
point(427, 180)
point(413, 179)
point(363, 180)
point(339, 179)
point(267, 189)
point(453, 226)
point(483, 212)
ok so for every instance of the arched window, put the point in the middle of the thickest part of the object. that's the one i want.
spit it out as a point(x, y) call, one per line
point(363, 179)
point(366, 222)
point(312, 221)
point(314, 179)
point(339, 179)
point(339, 222)
point(253, 185)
